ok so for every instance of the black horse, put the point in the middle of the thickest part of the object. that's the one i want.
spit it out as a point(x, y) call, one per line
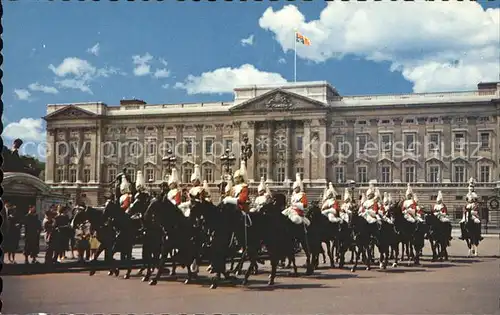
point(364, 236)
point(439, 236)
point(177, 237)
point(472, 235)
point(324, 231)
point(104, 234)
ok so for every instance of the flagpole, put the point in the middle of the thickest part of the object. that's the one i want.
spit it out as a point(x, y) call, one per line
point(295, 57)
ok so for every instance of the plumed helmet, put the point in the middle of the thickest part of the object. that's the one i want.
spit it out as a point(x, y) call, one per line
point(386, 198)
point(205, 186)
point(174, 177)
point(140, 185)
point(332, 189)
point(415, 198)
point(196, 174)
point(242, 172)
point(298, 182)
point(439, 196)
point(125, 186)
point(347, 195)
point(262, 185)
point(371, 189)
point(268, 190)
point(409, 191)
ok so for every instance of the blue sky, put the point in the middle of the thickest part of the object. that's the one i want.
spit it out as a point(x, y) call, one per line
point(172, 52)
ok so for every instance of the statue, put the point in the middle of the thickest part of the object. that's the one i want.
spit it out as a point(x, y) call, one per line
point(12, 161)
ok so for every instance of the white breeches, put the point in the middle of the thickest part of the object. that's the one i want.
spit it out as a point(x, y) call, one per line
point(371, 219)
point(413, 219)
point(256, 208)
point(474, 215)
point(387, 219)
point(185, 207)
point(294, 217)
point(442, 217)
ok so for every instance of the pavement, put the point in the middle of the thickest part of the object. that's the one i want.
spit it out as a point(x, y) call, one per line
point(461, 286)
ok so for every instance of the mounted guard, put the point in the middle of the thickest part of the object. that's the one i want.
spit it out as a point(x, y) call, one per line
point(125, 194)
point(347, 206)
point(472, 204)
point(439, 209)
point(409, 207)
point(174, 194)
point(419, 211)
point(369, 208)
point(206, 192)
point(382, 211)
point(263, 198)
point(238, 195)
point(195, 193)
point(331, 207)
point(296, 211)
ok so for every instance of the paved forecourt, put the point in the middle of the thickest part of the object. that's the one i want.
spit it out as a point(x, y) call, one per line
point(463, 285)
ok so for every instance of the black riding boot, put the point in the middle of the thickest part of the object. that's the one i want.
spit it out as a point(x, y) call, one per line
point(462, 229)
point(480, 229)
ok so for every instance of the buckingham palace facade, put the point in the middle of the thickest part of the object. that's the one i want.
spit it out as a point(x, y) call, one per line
point(432, 140)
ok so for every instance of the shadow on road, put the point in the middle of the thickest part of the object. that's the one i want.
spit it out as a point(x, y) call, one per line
point(403, 270)
point(285, 286)
point(329, 276)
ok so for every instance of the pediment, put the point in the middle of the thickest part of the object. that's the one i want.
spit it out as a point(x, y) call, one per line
point(410, 159)
point(485, 159)
point(386, 160)
point(70, 112)
point(434, 160)
point(279, 100)
point(460, 159)
point(361, 160)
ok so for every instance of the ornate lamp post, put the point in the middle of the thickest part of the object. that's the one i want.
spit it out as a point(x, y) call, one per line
point(352, 186)
point(246, 149)
point(227, 159)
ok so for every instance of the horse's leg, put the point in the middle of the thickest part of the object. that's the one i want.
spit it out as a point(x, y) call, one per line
point(330, 253)
point(94, 259)
point(274, 266)
point(174, 262)
point(356, 252)
point(434, 249)
point(353, 253)
point(369, 257)
point(129, 263)
point(395, 248)
point(323, 252)
point(160, 268)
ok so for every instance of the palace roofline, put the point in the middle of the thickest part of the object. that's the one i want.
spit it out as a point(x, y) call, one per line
point(321, 91)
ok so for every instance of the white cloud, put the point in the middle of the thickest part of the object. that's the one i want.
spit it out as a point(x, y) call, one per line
point(163, 62)
point(28, 129)
point(422, 41)
point(94, 50)
point(282, 60)
point(162, 73)
point(141, 63)
point(165, 86)
point(247, 41)
point(22, 94)
point(76, 73)
point(43, 88)
point(224, 80)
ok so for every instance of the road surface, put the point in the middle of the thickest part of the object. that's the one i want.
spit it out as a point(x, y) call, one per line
point(461, 286)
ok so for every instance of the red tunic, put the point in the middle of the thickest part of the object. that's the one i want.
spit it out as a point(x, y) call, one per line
point(243, 199)
point(381, 210)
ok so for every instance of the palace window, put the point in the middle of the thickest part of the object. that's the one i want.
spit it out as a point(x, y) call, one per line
point(300, 143)
point(131, 173)
point(459, 141)
point(386, 142)
point(459, 173)
point(151, 148)
point(434, 174)
point(484, 173)
point(434, 143)
point(133, 148)
point(362, 174)
point(263, 173)
point(262, 144)
point(385, 174)
point(86, 148)
point(188, 146)
point(434, 120)
point(110, 148)
point(209, 146)
point(228, 144)
point(410, 142)
point(208, 174)
point(281, 143)
point(60, 175)
point(62, 149)
point(280, 174)
point(339, 174)
point(339, 144)
point(484, 119)
point(72, 175)
point(168, 144)
point(485, 140)
point(111, 174)
point(410, 121)
point(410, 176)
point(362, 139)
point(187, 175)
point(150, 175)
point(73, 149)
point(86, 175)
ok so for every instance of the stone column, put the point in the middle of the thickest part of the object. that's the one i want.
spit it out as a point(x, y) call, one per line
point(141, 142)
point(180, 149)
point(50, 165)
point(198, 144)
point(323, 151)
point(446, 148)
point(95, 154)
point(350, 138)
point(471, 141)
point(159, 153)
point(251, 162)
point(81, 154)
point(68, 156)
point(218, 150)
point(306, 152)
point(121, 148)
point(397, 171)
point(289, 163)
point(270, 149)
point(421, 150)
point(237, 140)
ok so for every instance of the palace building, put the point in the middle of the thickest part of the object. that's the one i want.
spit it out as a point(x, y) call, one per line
point(435, 141)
